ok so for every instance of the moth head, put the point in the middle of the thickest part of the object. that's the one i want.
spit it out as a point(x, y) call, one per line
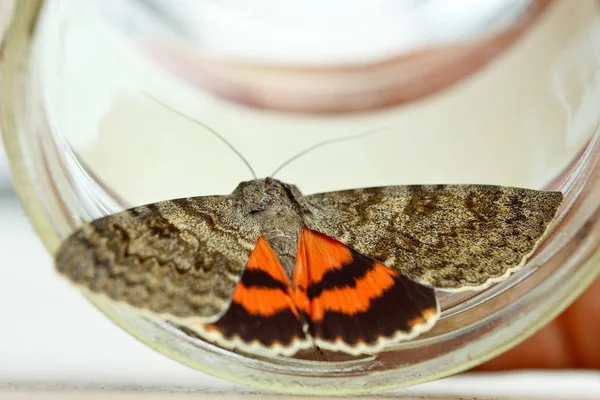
point(263, 194)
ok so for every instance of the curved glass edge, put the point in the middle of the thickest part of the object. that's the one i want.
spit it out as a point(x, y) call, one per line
point(16, 44)
point(161, 340)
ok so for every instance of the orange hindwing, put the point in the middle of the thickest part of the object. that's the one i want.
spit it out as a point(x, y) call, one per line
point(349, 302)
point(353, 303)
point(262, 315)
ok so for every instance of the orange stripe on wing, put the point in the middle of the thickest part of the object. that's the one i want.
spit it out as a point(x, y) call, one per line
point(263, 302)
point(263, 258)
point(301, 276)
point(357, 299)
point(327, 279)
point(321, 254)
point(258, 296)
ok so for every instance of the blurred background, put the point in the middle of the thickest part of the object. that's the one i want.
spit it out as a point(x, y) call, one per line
point(6, 8)
point(79, 347)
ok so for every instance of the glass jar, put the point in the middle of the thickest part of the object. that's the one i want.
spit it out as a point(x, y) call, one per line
point(99, 98)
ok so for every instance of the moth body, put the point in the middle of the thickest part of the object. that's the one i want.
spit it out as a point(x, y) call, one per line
point(278, 209)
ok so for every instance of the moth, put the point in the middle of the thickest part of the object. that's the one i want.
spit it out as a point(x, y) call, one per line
point(268, 270)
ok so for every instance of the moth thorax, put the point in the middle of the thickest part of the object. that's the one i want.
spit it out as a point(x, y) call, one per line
point(275, 207)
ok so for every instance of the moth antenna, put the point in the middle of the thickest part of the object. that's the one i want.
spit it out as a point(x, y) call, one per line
point(324, 143)
point(208, 128)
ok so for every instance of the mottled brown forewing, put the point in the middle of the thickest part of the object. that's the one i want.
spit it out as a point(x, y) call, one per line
point(453, 237)
point(180, 258)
